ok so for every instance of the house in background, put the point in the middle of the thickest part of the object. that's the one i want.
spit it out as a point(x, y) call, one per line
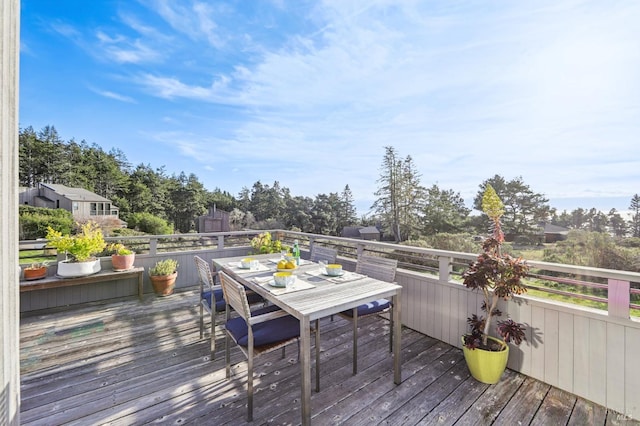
point(553, 233)
point(216, 221)
point(82, 204)
point(371, 233)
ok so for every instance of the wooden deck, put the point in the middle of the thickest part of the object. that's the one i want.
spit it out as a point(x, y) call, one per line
point(130, 363)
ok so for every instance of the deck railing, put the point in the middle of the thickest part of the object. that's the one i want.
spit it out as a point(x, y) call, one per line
point(589, 351)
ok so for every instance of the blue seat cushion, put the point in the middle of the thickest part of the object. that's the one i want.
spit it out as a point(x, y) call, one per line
point(264, 333)
point(220, 302)
point(370, 308)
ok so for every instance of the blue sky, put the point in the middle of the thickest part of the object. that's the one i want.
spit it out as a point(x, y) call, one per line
point(308, 93)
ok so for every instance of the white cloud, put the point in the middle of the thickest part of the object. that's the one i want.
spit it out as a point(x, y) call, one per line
point(546, 90)
point(194, 18)
point(536, 91)
point(112, 95)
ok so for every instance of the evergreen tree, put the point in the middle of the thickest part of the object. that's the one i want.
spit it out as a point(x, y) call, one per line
point(300, 213)
point(524, 209)
point(634, 223)
point(147, 191)
point(346, 214)
point(444, 212)
point(187, 201)
point(324, 216)
point(223, 200)
point(400, 195)
point(31, 155)
point(617, 224)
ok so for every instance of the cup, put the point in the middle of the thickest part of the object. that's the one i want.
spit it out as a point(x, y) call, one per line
point(254, 264)
point(282, 278)
point(323, 266)
point(334, 269)
point(291, 282)
point(246, 262)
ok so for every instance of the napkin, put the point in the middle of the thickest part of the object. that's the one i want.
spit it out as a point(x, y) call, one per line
point(299, 285)
point(345, 277)
point(302, 261)
point(238, 266)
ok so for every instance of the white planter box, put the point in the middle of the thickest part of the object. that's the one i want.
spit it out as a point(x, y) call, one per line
point(78, 269)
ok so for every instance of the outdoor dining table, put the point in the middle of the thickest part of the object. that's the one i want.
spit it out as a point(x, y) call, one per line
point(316, 296)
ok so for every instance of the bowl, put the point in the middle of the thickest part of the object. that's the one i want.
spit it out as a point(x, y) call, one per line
point(334, 269)
point(247, 262)
point(281, 279)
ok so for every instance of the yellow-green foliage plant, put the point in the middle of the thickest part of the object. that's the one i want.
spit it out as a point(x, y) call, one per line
point(262, 244)
point(80, 247)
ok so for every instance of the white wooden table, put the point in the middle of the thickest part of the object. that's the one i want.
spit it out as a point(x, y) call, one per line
point(323, 300)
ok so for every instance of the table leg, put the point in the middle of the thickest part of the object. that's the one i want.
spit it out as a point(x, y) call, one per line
point(397, 346)
point(140, 285)
point(305, 365)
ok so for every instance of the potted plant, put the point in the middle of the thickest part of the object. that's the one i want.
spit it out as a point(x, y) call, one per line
point(79, 250)
point(498, 276)
point(263, 243)
point(35, 271)
point(122, 258)
point(163, 276)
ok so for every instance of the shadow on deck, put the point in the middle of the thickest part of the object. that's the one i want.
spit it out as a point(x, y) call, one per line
point(128, 363)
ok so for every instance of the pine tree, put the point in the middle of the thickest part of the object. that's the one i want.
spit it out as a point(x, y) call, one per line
point(634, 223)
point(400, 195)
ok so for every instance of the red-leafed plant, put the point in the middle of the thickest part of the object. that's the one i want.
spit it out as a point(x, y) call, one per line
point(498, 276)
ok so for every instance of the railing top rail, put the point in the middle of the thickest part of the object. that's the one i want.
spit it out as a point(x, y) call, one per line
point(383, 246)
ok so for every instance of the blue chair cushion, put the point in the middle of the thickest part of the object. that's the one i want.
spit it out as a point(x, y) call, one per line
point(370, 308)
point(220, 303)
point(264, 333)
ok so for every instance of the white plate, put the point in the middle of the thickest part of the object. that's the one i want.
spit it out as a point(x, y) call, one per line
point(272, 283)
point(286, 270)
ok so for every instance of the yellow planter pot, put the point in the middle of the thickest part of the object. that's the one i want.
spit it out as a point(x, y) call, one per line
point(486, 366)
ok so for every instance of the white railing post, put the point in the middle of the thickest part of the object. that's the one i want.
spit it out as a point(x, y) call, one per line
point(220, 242)
point(618, 298)
point(444, 268)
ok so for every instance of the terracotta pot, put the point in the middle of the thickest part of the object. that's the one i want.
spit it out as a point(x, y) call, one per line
point(163, 284)
point(122, 262)
point(35, 273)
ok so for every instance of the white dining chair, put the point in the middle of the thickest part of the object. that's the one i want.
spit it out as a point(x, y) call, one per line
point(319, 253)
point(381, 269)
point(256, 333)
point(212, 300)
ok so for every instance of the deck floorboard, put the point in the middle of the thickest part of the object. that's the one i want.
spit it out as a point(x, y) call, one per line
point(131, 362)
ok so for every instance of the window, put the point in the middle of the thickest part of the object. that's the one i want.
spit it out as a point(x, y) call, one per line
point(100, 209)
point(75, 206)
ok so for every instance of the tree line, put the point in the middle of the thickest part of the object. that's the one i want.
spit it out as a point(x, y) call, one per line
point(410, 210)
point(404, 209)
point(177, 198)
